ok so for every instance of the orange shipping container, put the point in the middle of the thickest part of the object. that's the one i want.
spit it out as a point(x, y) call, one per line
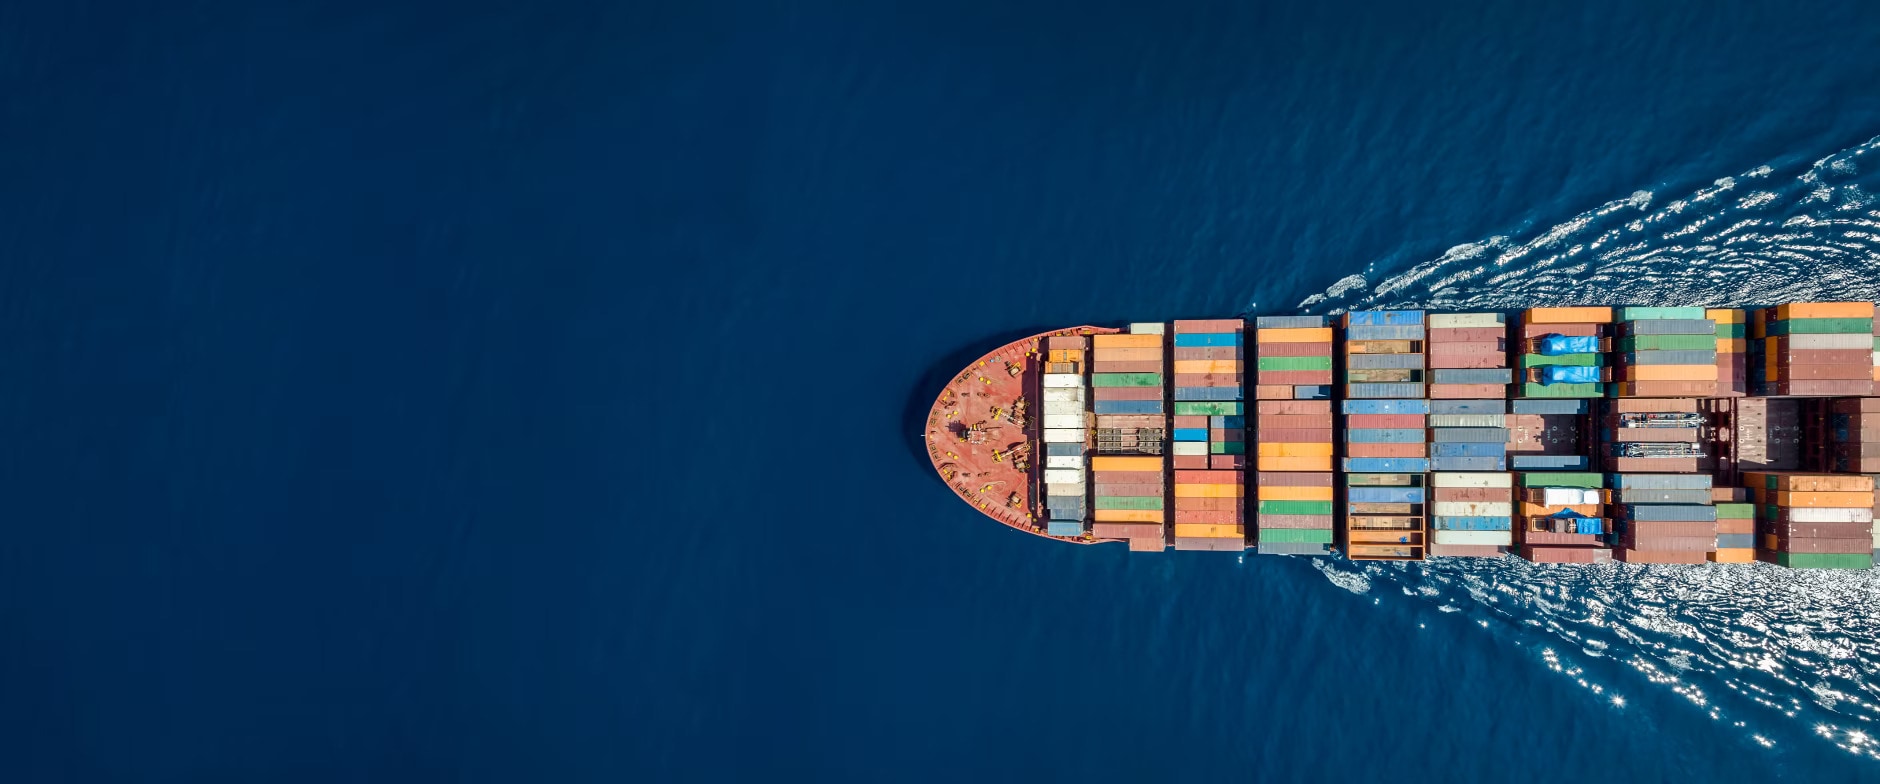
point(1126, 341)
point(1381, 347)
point(1825, 499)
point(1295, 450)
point(1273, 392)
point(1569, 316)
point(1732, 345)
point(1208, 531)
point(1265, 463)
point(1295, 493)
point(1726, 315)
point(1111, 463)
point(1671, 373)
point(1127, 515)
point(1733, 555)
point(1831, 483)
point(1811, 310)
point(1296, 335)
point(1207, 366)
point(1206, 491)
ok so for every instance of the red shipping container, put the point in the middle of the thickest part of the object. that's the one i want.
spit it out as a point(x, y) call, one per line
point(1466, 551)
point(1653, 465)
point(1131, 490)
point(1211, 352)
point(1126, 393)
point(1309, 522)
point(1191, 461)
point(1467, 334)
point(1293, 479)
point(1648, 556)
point(1825, 356)
point(1295, 377)
point(1128, 366)
point(1383, 421)
point(1314, 421)
point(1567, 555)
point(1669, 388)
point(1294, 349)
point(1208, 326)
point(1225, 461)
point(1474, 494)
point(1209, 477)
point(1468, 391)
point(1193, 504)
point(1701, 544)
point(1551, 538)
point(1494, 347)
point(1736, 526)
point(1293, 435)
point(1827, 372)
point(1125, 530)
point(1671, 528)
point(1295, 407)
point(1824, 388)
point(1654, 406)
point(1066, 341)
point(1273, 392)
point(1216, 518)
point(1824, 545)
point(1227, 435)
point(1386, 450)
point(1210, 544)
point(1820, 530)
point(1127, 477)
point(1569, 330)
point(1207, 379)
point(1190, 421)
point(1154, 421)
point(1455, 361)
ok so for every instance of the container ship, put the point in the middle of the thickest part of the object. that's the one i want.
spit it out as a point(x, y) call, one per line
point(1569, 435)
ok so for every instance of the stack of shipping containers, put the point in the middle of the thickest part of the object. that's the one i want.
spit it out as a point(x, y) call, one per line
point(1468, 356)
point(1293, 435)
point(1560, 518)
point(1471, 495)
point(1386, 434)
point(1732, 343)
point(1065, 434)
point(1556, 368)
point(1812, 349)
point(1665, 352)
point(1210, 507)
point(1736, 525)
point(1472, 513)
point(1813, 521)
point(1662, 518)
point(1128, 469)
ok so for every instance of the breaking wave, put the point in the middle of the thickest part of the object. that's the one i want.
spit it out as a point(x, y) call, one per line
point(1788, 659)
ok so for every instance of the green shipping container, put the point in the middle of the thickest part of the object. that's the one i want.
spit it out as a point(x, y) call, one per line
point(1295, 363)
point(1129, 502)
point(1318, 535)
point(1227, 447)
point(1563, 360)
point(1732, 330)
point(1822, 326)
point(1207, 408)
point(1585, 479)
point(1296, 507)
point(1668, 343)
point(1735, 511)
point(1825, 560)
point(1562, 390)
point(1126, 379)
point(1641, 314)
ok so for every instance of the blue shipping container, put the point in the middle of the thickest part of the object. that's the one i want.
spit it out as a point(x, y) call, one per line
point(1065, 528)
point(1312, 393)
point(1227, 422)
point(1379, 318)
point(1207, 393)
point(1290, 322)
point(1468, 464)
point(1469, 449)
point(1736, 541)
point(1548, 406)
point(1126, 406)
point(1396, 435)
point(1384, 389)
point(1387, 465)
point(1191, 434)
point(1468, 406)
point(1206, 339)
point(1386, 406)
point(1392, 332)
point(1537, 462)
point(1472, 376)
point(1673, 512)
point(1659, 481)
point(1445, 523)
point(1474, 435)
point(1384, 495)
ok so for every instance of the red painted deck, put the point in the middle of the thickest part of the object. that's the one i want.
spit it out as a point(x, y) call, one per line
point(983, 465)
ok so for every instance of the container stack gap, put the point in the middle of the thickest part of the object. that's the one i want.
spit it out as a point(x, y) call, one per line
point(1210, 478)
point(1292, 429)
point(1854, 435)
point(1066, 415)
point(1564, 352)
point(1653, 435)
point(1662, 518)
point(1560, 518)
point(1813, 521)
point(1813, 349)
point(1665, 352)
point(1128, 470)
point(1544, 434)
point(1732, 340)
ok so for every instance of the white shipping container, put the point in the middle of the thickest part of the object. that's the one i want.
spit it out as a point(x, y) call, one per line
point(1568, 496)
point(1064, 407)
point(1831, 341)
point(1063, 476)
point(1076, 489)
point(1065, 461)
point(1501, 538)
point(1474, 509)
point(1063, 421)
point(1454, 320)
point(1191, 448)
point(1468, 420)
point(1147, 328)
point(1817, 514)
point(1055, 436)
point(1064, 395)
point(1062, 380)
point(1472, 479)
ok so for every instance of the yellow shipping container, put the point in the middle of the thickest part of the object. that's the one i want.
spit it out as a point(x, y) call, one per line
point(1126, 341)
point(1112, 463)
point(1671, 373)
point(1727, 315)
point(1266, 463)
point(1295, 493)
point(1208, 491)
point(1381, 347)
point(1733, 555)
point(1128, 515)
point(1294, 450)
point(1066, 355)
point(1800, 310)
point(1207, 531)
point(1129, 354)
point(1569, 316)
point(1732, 345)
point(1207, 366)
point(1294, 335)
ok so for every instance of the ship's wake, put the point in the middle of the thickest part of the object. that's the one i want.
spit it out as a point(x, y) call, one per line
point(1785, 658)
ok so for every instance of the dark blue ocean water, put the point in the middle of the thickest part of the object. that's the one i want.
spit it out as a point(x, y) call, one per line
point(529, 392)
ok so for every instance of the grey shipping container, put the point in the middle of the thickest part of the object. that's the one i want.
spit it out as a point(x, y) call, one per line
point(1671, 357)
point(1384, 390)
point(1473, 435)
point(1468, 406)
point(1638, 496)
point(1319, 392)
point(1390, 332)
point(1207, 393)
point(1539, 462)
point(1548, 406)
point(1472, 376)
point(1294, 548)
point(1671, 327)
point(1384, 362)
point(1660, 481)
point(1289, 322)
point(1649, 512)
point(1468, 420)
point(1063, 450)
point(1736, 541)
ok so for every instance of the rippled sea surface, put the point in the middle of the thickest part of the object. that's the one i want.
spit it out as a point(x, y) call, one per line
point(506, 392)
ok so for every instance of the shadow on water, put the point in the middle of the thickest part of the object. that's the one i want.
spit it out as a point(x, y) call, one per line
point(926, 388)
